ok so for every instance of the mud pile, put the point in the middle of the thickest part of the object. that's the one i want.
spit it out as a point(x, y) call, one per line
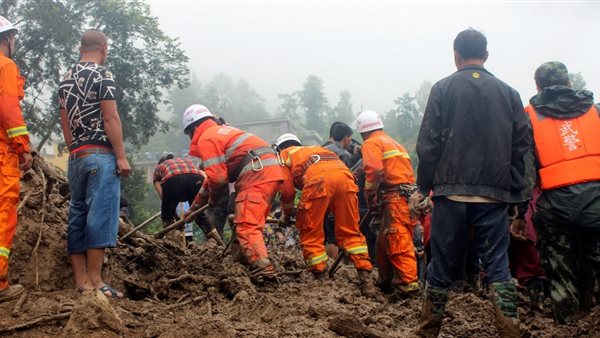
point(194, 291)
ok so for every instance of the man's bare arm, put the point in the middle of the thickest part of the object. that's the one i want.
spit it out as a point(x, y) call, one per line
point(114, 131)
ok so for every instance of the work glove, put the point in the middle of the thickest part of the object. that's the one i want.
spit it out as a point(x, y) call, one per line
point(419, 204)
point(518, 229)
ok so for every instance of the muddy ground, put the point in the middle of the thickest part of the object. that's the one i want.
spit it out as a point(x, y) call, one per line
point(194, 292)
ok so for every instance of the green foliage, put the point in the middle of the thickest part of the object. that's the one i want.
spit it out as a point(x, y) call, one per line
point(343, 110)
point(144, 60)
point(315, 104)
point(234, 102)
point(422, 95)
point(289, 107)
point(577, 81)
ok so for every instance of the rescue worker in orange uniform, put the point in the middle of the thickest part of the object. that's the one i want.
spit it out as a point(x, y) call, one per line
point(389, 182)
point(327, 185)
point(231, 155)
point(14, 152)
point(566, 131)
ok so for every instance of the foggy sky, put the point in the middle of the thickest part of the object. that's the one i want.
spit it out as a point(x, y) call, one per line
point(377, 50)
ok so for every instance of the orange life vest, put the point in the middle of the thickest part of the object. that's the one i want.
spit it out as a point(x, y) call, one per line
point(568, 150)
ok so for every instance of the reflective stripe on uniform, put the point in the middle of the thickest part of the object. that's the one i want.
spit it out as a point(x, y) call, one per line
point(4, 252)
point(17, 131)
point(213, 161)
point(394, 153)
point(317, 259)
point(265, 163)
point(288, 161)
point(236, 144)
point(370, 185)
point(357, 250)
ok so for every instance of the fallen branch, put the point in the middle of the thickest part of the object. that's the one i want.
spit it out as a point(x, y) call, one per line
point(180, 278)
point(39, 240)
point(35, 322)
point(143, 224)
point(293, 272)
point(23, 201)
point(177, 224)
point(182, 298)
point(193, 300)
point(167, 251)
point(19, 305)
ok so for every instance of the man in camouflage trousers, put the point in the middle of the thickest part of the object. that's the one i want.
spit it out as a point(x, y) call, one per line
point(565, 126)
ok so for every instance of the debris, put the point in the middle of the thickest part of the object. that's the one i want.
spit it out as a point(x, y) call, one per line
point(19, 304)
point(143, 224)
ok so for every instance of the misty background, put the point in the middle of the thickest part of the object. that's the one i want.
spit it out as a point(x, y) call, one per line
point(305, 64)
point(377, 50)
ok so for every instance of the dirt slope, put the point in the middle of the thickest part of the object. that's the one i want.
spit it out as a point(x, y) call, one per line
point(195, 292)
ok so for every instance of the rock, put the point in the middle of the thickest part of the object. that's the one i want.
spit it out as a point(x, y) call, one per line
point(93, 316)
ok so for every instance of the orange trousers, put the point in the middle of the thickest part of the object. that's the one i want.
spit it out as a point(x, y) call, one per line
point(9, 198)
point(396, 258)
point(252, 205)
point(334, 191)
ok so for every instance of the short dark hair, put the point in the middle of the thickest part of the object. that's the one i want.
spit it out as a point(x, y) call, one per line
point(471, 44)
point(168, 156)
point(339, 130)
point(551, 73)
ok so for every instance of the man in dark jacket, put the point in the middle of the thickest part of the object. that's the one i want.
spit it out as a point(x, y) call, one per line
point(566, 130)
point(471, 147)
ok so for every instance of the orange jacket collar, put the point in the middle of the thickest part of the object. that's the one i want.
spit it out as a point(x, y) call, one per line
point(194, 150)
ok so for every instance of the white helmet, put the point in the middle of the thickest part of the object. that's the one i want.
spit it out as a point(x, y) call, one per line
point(194, 113)
point(5, 25)
point(287, 137)
point(368, 120)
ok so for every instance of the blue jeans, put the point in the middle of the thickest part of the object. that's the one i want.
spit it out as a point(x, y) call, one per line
point(458, 226)
point(94, 212)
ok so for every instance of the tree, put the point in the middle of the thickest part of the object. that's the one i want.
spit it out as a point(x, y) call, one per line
point(343, 110)
point(577, 81)
point(315, 103)
point(289, 107)
point(422, 96)
point(143, 59)
point(402, 120)
point(216, 96)
point(247, 105)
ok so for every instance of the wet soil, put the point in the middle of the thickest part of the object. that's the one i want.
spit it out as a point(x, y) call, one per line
point(196, 291)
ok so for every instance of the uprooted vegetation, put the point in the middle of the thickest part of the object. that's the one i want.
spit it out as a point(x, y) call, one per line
point(177, 291)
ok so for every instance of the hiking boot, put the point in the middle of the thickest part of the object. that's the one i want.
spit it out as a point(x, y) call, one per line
point(263, 273)
point(434, 304)
point(11, 292)
point(365, 283)
point(504, 297)
point(408, 289)
point(236, 251)
point(319, 275)
point(404, 291)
